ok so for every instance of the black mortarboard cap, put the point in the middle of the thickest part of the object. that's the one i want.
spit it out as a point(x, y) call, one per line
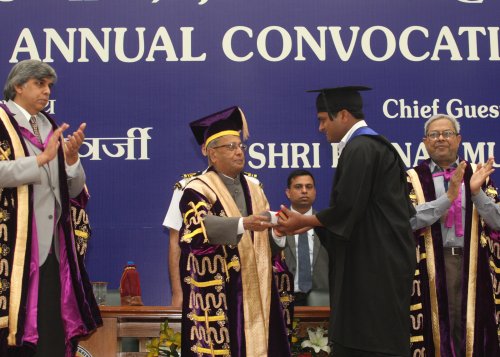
point(333, 100)
point(229, 121)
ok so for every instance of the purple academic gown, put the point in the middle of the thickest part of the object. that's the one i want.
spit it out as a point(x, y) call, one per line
point(430, 319)
point(224, 300)
point(80, 309)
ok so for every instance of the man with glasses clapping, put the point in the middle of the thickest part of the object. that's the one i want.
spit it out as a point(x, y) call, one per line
point(456, 230)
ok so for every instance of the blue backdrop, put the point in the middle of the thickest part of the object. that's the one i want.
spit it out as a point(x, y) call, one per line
point(138, 71)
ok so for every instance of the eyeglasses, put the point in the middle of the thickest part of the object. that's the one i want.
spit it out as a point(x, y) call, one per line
point(434, 135)
point(232, 146)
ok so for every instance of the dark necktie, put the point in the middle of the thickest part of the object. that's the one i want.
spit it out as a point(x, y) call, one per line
point(305, 279)
point(34, 125)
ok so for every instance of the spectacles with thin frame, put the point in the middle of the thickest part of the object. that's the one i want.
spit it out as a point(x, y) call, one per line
point(232, 146)
point(446, 134)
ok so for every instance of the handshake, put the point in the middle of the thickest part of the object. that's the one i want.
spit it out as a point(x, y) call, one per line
point(282, 222)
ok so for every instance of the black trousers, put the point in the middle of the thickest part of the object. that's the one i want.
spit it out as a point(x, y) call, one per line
point(51, 340)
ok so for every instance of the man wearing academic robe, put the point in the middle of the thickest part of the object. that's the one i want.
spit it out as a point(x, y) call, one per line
point(456, 299)
point(366, 232)
point(230, 301)
point(46, 300)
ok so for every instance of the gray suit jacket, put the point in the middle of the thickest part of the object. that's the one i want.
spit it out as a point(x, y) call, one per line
point(44, 180)
point(319, 264)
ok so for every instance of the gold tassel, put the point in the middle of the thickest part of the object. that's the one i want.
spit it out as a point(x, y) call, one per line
point(244, 130)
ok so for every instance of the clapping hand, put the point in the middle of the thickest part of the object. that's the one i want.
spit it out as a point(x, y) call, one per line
point(456, 181)
point(50, 151)
point(482, 173)
point(72, 144)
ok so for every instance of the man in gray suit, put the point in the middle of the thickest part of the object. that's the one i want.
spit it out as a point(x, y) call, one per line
point(48, 297)
point(312, 289)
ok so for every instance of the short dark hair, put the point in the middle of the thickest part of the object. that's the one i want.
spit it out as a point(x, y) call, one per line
point(296, 173)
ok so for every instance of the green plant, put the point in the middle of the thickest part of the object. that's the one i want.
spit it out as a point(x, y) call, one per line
point(167, 345)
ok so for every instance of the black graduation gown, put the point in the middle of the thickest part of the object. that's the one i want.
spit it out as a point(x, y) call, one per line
point(371, 248)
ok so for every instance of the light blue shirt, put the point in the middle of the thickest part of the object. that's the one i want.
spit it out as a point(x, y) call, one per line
point(429, 212)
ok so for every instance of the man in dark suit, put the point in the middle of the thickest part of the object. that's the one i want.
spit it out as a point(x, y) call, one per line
point(306, 258)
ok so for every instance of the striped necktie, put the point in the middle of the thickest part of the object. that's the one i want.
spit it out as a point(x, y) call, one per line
point(36, 131)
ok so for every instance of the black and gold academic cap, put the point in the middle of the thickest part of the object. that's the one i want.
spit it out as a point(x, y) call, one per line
point(333, 100)
point(230, 121)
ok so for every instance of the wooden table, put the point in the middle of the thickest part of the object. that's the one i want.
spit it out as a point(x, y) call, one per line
point(143, 323)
